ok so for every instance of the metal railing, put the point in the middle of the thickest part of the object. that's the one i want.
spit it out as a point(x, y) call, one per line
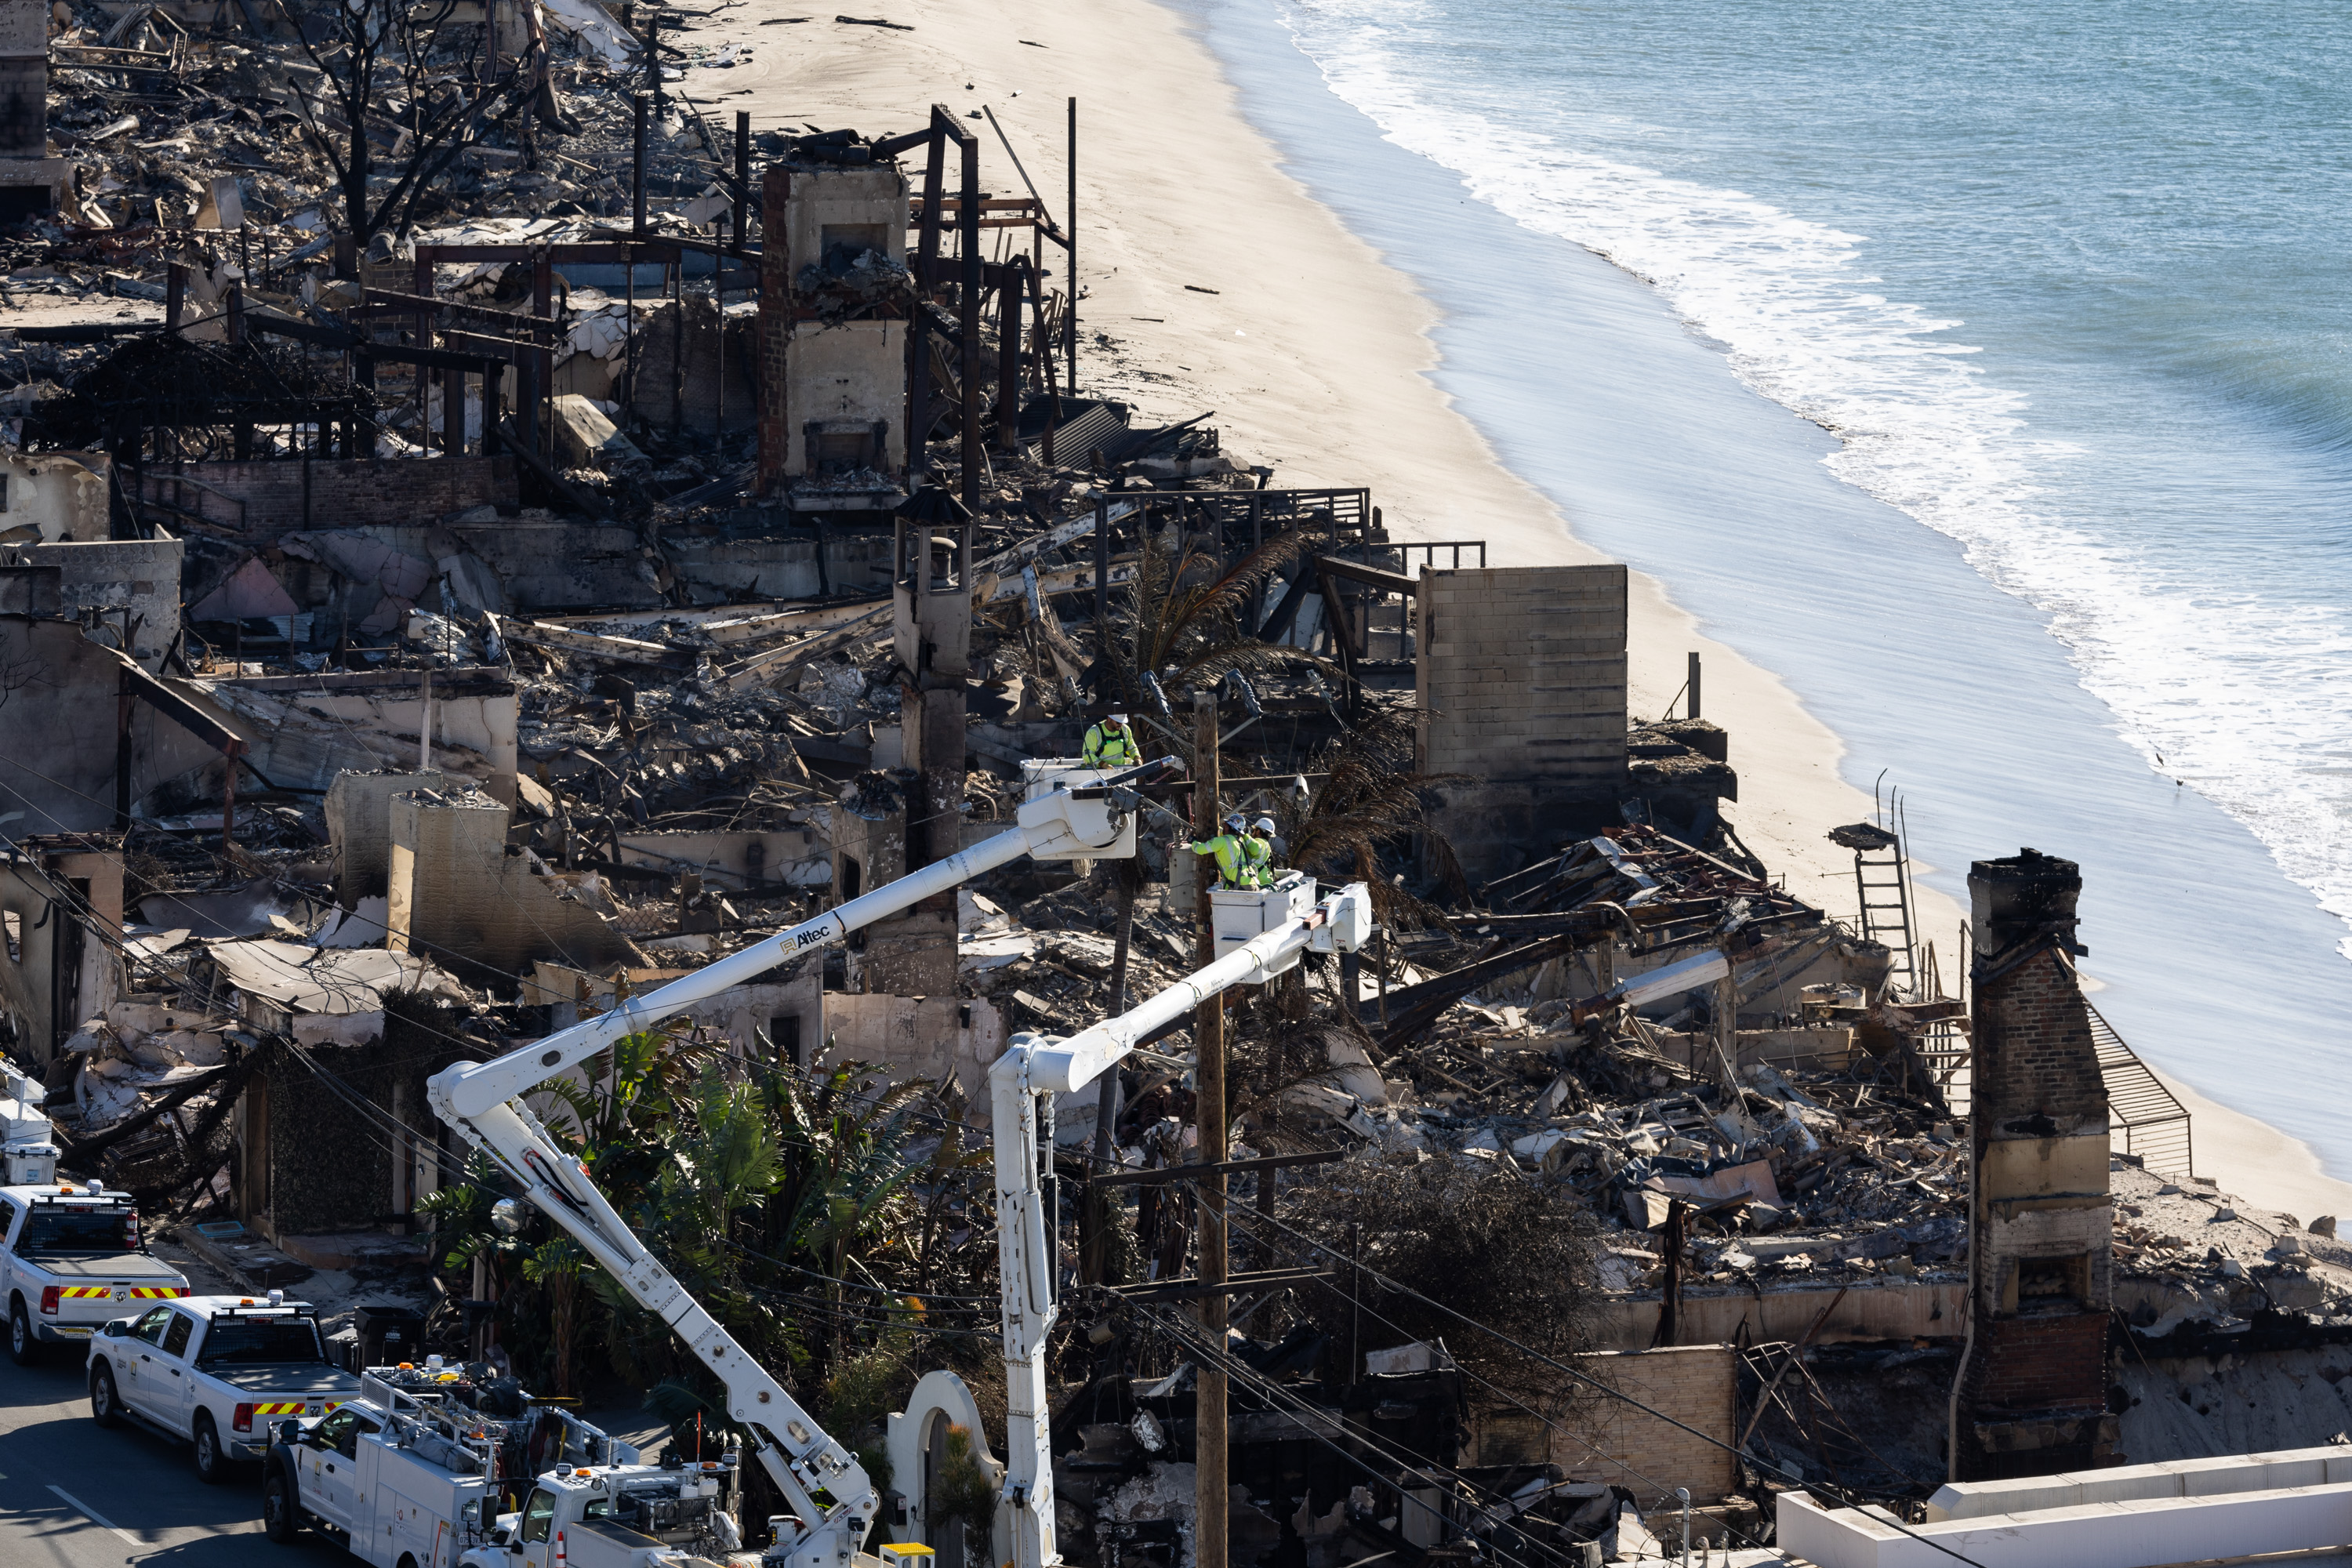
point(2154, 1125)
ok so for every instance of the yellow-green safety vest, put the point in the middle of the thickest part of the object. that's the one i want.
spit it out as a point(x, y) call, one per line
point(1116, 748)
point(1229, 853)
point(1259, 853)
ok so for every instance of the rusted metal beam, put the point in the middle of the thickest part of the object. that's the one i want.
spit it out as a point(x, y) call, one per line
point(1370, 576)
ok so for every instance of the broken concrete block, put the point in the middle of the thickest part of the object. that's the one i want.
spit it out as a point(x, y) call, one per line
point(584, 438)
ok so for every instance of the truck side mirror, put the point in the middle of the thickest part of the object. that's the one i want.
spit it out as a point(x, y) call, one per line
point(289, 1432)
point(470, 1516)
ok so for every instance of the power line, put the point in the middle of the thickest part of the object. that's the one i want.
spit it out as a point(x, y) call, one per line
point(1587, 1378)
point(1312, 1417)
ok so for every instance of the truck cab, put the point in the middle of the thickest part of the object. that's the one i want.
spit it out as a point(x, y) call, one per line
point(621, 1516)
point(220, 1371)
point(71, 1257)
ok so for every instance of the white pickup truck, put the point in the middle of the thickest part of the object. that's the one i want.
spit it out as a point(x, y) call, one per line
point(72, 1259)
point(415, 1472)
point(220, 1371)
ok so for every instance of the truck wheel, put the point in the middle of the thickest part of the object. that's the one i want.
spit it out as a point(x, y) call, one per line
point(282, 1521)
point(212, 1465)
point(105, 1405)
point(23, 1347)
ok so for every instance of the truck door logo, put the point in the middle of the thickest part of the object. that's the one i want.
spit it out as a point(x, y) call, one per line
point(120, 1294)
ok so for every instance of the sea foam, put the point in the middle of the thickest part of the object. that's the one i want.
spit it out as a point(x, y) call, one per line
point(2241, 695)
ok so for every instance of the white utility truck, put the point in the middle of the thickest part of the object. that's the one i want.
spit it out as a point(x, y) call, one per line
point(73, 1261)
point(415, 1470)
point(220, 1371)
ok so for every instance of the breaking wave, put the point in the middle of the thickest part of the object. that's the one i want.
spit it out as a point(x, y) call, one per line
point(2242, 695)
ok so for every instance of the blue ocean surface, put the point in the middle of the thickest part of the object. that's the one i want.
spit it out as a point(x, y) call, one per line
point(1984, 368)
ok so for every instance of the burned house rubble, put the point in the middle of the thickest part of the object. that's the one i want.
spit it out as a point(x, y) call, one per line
point(440, 604)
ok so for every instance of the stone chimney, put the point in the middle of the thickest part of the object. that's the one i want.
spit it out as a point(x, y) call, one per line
point(2031, 1394)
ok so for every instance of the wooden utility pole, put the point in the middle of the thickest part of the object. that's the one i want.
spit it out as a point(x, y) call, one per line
point(1208, 1122)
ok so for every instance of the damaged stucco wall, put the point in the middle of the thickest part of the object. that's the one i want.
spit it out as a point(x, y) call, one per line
point(102, 580)
point(61, 494)
point(458, 895)
point(59, 693)
point(797, 857)
point(788, 1014)
point(55, 970)
point(307, 729)
point(936, 1039)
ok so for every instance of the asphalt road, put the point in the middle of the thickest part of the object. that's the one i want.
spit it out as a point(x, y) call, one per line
point(75, 1495)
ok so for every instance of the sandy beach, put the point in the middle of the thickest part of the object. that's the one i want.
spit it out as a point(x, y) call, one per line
point(1314, 354)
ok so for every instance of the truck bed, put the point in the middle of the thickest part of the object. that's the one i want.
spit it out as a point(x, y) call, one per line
point(287, 1380)
point(130, 1265)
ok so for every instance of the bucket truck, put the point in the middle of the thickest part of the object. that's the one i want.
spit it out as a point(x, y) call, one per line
point(1087, 814)
point(1259, 934)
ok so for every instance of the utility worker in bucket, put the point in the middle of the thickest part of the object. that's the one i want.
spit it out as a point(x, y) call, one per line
point(1257, 854)
point(1232, 865)
point(1112, 744)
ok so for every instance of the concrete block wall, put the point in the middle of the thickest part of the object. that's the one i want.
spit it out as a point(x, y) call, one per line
point(694, 401)
point(458, 897)
point(358, 829)
point(1520, 673)
point(1695, 1385)
point(336, 492)
point(24, 92)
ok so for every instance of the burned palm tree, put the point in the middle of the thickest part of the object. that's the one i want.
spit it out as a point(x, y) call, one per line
point(1372, 799)
point(1184, 626)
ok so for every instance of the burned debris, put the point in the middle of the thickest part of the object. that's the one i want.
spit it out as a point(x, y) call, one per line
point(534, 547)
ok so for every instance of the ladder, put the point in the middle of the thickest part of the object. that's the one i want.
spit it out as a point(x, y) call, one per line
point(1881, 883)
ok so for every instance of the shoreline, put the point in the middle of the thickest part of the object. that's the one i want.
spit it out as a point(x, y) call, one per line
point(1222, 282)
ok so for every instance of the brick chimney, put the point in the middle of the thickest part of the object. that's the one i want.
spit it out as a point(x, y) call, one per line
point(2030, 1395)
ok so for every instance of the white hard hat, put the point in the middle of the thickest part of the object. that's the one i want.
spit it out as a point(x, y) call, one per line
point(1117, 718)
point(1264, 825)
point(1237, 821)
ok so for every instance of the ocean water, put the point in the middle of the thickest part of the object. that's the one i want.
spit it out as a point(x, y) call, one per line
point(1984, 368)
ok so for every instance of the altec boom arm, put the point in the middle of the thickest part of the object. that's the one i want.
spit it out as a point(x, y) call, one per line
point(483, 1102)
point(1036, 1065)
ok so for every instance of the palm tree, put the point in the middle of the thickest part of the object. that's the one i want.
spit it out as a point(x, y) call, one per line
point(1182, 626)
